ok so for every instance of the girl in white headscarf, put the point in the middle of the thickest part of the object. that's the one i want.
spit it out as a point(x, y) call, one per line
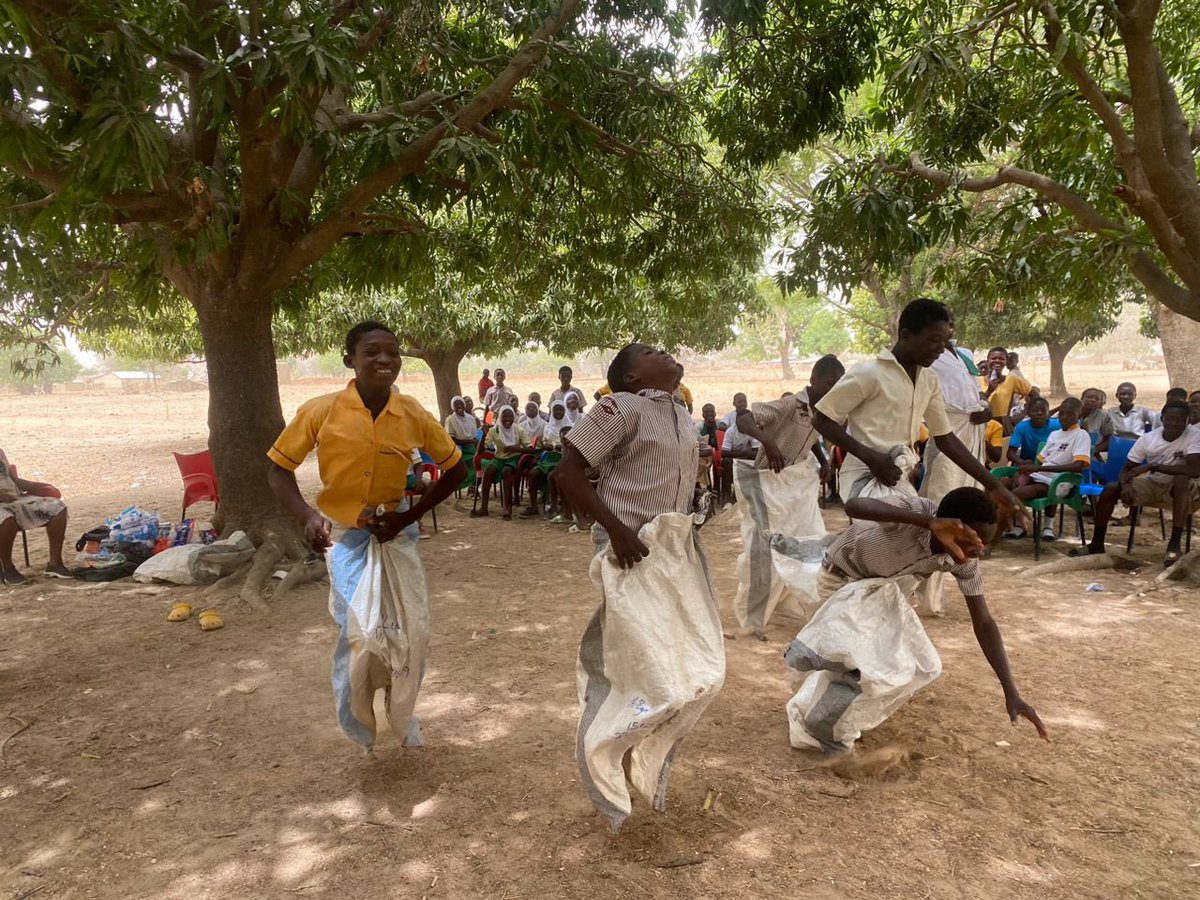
point(460, 424)
point(551, 434)
point(532, 421)
point(574, 411)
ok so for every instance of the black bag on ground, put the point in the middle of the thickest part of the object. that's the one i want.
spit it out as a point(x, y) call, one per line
point(99, 533)
point(127, 556)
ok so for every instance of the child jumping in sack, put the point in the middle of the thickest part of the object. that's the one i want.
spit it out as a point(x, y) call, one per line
point(652, 657)
point(365, 436)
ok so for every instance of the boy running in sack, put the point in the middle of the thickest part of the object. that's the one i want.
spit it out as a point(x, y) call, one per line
point(866, 647)
point(652, 657)
point(364, 437)
point(781, 488)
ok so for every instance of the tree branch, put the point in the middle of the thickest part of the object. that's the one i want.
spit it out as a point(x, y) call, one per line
point(343, 218)
point(1085, 214)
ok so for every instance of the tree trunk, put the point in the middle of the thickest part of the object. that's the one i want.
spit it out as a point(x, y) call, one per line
point(1058, 355)
point(785, 354)
point(444, 366)
point(244, 413)
point(1180, 338)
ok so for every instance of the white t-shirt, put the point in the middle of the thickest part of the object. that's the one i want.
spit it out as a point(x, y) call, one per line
point(1063, 448)
point(1155, 449)
point(736, 441)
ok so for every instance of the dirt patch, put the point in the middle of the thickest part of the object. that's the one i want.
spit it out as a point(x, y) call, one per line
point(159, 761)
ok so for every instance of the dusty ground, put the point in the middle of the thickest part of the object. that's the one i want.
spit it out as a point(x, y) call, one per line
point(159, 761)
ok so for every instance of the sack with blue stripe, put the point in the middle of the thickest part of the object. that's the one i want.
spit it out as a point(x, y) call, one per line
point(379, 598)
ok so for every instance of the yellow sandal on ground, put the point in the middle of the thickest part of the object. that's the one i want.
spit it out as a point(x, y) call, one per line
point(210, 620)
point(179, 612)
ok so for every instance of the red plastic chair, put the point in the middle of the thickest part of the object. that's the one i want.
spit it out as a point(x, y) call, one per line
point(48, 490)
point(199, 479)
point(434, 474)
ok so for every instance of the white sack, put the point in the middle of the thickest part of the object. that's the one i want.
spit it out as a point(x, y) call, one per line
point(868, 653)
point(858, 481)
point(651, 660)
point(782, 542)
point(197, 563)
point(379, 598)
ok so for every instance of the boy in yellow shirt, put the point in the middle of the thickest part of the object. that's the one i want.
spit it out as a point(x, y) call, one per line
point(364, 436)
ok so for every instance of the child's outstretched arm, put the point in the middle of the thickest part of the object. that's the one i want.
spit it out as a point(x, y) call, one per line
point(955, 537)
point(987, 632)
point(571, 477)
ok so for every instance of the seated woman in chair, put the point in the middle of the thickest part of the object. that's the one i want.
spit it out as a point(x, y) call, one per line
point(25, 505)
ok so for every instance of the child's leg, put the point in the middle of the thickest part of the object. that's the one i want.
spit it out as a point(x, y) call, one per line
point(1031, 490)
point(506, 490)
point(485, 490)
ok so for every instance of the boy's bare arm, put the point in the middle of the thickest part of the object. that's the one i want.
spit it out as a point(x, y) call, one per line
point(987, 633)
point(316, 527)
point(571, 477)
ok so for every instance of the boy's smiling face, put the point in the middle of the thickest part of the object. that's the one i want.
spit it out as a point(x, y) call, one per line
point(376, 360)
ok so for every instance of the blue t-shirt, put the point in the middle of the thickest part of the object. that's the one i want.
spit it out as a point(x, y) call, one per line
point(1026, 438)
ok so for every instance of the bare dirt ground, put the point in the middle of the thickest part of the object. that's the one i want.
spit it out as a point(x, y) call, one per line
point(162, 762)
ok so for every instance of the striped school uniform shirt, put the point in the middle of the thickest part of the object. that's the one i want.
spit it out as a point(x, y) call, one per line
point(644, 446)
point(887, 549)
point(789, 423)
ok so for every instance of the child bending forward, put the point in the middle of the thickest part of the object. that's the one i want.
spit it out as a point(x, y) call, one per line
point(865, 647)
point(365, 436)
point(652, 657)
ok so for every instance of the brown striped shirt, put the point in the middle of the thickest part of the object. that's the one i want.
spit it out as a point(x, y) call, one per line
point(644, 446)
point(789, 423)
point(887, 549)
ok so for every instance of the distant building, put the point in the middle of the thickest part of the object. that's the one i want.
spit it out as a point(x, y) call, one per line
point(130, 382)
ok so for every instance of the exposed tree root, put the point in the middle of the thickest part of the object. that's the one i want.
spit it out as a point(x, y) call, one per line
point(300, 573)
point(266, 558)
point(1089, 563)
point(1182, 568)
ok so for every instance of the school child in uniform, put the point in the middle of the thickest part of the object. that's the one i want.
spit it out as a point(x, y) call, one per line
point(652, 657)
point(866, 647)
point(1069, 449)
point(364, 436)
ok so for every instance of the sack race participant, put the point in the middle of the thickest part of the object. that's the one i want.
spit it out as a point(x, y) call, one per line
point(365, 436)
point(876, 410)
point(968, 414)
point(652, 657)
point(781, 490)
point(865, 647)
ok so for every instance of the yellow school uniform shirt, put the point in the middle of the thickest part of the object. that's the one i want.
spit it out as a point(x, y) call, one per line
point(363, 462)
point(993, 434)
point(1002, 398)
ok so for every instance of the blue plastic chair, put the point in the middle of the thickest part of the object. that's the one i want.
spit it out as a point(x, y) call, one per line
point(1101, 473)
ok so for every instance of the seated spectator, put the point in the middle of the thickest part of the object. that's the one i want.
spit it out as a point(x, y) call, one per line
point(565, 374)
point(993, 441)
point(1129, 420)
point(1163, 466)
point(536, 398)
point(1095, 420)
point(532, 421)
point(539, 477)
point(1069, 449)
point(740, 405)
point(574, 408)
point(509, 443)
point(24, 506)
point(1177, 393)
point(1194, 408)
point(463, 428)
point(1031, 432)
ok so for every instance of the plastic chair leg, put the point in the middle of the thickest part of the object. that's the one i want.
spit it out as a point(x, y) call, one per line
point(433, 512)
point(1037, 535)
point(25, 546)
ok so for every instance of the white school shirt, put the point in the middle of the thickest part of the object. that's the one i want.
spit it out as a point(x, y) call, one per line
point(1155, 449)
point(736, 441)
point(1134, 424)
point(1063, 448)
point(960, 389)
point(882, 407)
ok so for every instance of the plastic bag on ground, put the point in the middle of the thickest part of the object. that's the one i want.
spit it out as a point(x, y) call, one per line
point(197, 563)
point(783, 542)
point(379, 598)
point(650, 662)
point(867, 653)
